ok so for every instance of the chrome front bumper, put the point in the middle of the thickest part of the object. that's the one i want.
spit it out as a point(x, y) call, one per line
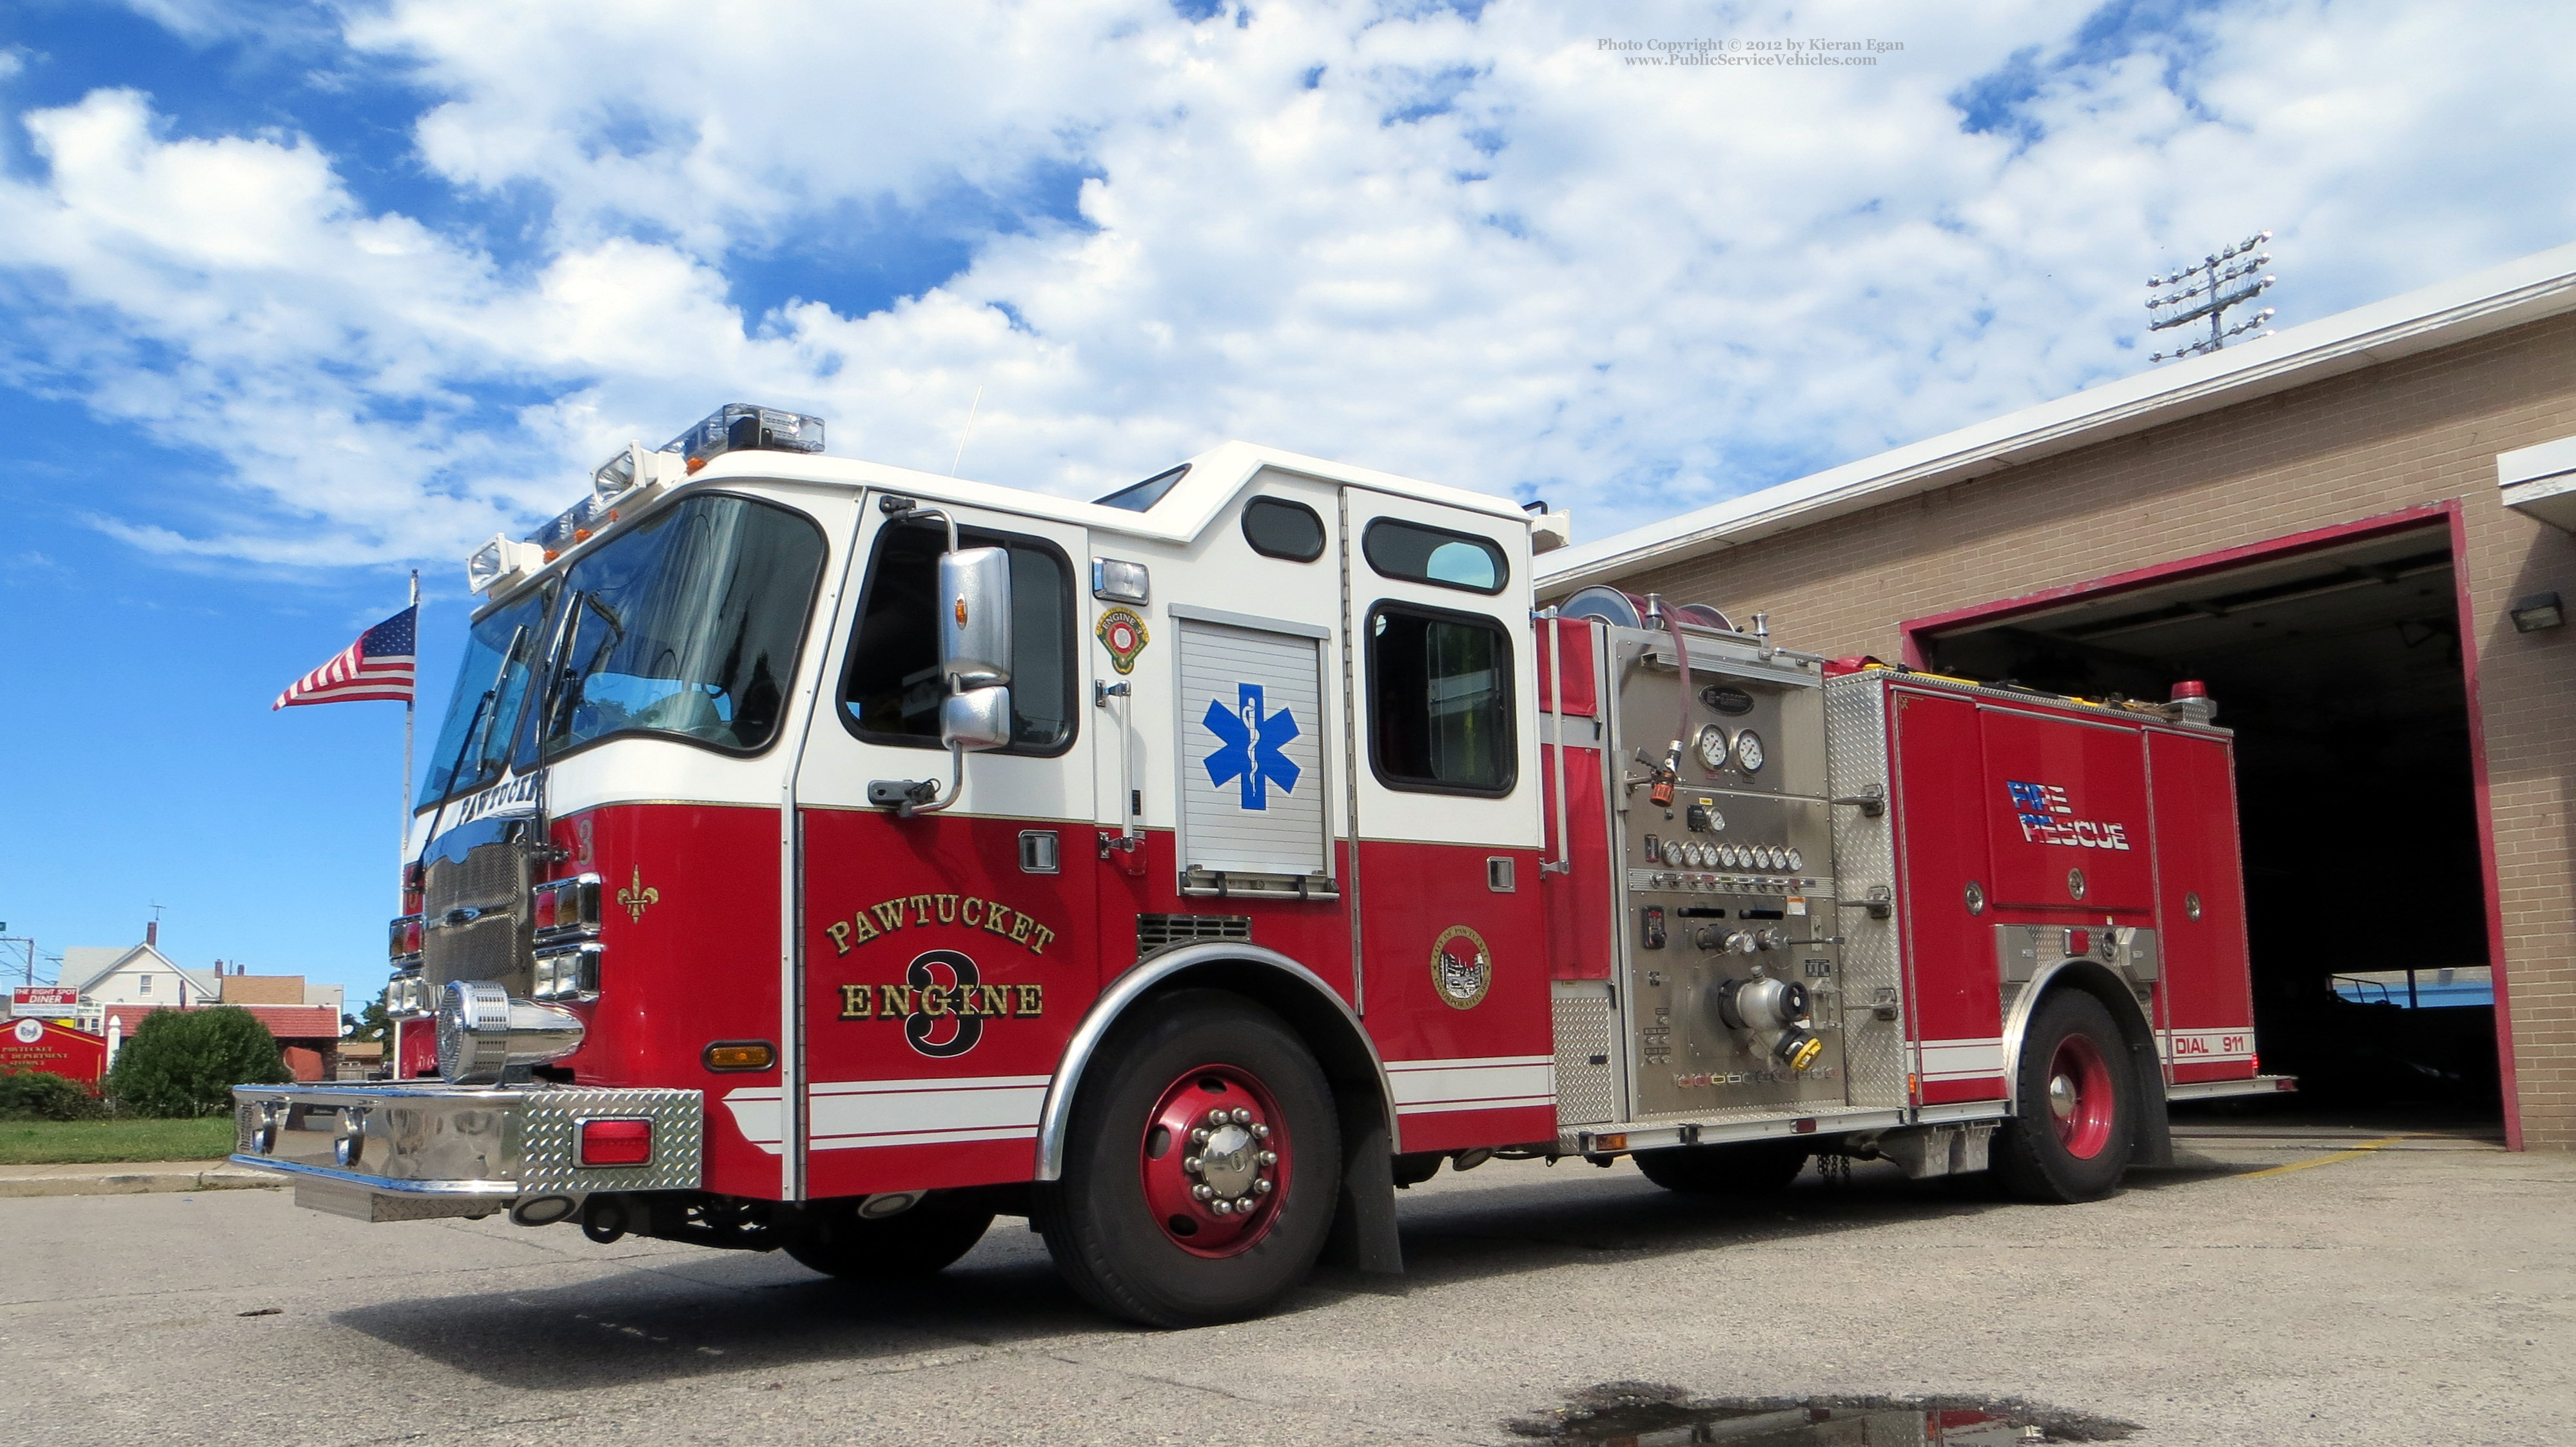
point(415, 1152)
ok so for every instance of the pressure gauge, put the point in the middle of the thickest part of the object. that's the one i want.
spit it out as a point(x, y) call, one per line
point(1730, 856)
point(1676, 853)
point(1748, 751)
point(1797, 861)
point(1707, 855)
point(1779, 858)
point(1712, 748)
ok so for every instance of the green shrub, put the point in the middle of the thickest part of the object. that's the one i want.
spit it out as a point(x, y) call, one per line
point(186, 1062)
point(43, 1095)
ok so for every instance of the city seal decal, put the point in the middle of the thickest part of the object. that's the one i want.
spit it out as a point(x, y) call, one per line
point(1123, 634)
point(1462, 969)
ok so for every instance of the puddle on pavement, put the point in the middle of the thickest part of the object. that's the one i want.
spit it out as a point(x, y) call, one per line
point(1643, 1414)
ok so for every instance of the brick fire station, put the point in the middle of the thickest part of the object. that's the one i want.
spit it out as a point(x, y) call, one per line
point(2356, 534)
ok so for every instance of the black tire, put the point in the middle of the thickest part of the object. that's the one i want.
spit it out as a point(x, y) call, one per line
point(1752, 1169)
point(921, 1242)
point(2039, 1156)
point(1106, 1238)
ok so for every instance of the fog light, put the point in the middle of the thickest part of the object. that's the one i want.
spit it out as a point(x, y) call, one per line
point(616, 1142)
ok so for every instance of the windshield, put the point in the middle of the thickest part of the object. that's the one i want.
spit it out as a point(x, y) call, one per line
point(483, 713)
point(687, 625)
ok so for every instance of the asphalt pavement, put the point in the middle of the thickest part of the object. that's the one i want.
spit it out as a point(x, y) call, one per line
point(2284, 1287)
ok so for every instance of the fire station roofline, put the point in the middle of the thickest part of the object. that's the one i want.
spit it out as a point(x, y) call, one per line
point(2530, 289)
point(1215, 478)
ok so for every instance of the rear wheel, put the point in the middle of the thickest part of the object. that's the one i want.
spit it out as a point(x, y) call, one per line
point(920, 1242)
point(2069, 1138)
point(1201, 1168)
point(1754, 1168)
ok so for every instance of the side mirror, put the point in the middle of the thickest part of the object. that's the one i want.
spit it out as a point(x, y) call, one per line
point(977, 719)
point(975, 624)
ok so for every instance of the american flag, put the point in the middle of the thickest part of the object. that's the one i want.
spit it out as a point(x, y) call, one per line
point(378, 665)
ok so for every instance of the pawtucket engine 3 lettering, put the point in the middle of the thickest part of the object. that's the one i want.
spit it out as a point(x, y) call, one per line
point(927, 909)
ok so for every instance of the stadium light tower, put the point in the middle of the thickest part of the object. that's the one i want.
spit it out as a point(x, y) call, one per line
point(2193, 292)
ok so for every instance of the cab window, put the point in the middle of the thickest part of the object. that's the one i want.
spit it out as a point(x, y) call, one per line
point(890, 691)
point(1440, 701)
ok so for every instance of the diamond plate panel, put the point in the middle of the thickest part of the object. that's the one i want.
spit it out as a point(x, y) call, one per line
point(1865, 861)
point(1587, 1073)
point(550, 1125)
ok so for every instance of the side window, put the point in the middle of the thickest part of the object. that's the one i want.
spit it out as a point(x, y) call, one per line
point(1278, 528)
point(1418, 554)
point(890, 691)
point(1440, 701)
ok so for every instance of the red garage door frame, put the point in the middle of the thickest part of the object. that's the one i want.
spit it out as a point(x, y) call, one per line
point(2445, 514)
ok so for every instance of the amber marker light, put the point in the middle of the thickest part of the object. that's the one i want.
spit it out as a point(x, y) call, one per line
point(741, 1055)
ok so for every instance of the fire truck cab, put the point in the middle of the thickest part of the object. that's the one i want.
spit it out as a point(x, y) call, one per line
point(823, 856)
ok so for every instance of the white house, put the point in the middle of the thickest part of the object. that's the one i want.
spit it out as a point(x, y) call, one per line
point(136, 975)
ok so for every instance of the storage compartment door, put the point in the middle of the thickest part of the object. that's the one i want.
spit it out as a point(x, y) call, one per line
point(1253, 779)
point(2207, 996)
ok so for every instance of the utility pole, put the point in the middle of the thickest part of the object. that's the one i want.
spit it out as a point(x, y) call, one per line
point(2202, 291)
point(26, 943)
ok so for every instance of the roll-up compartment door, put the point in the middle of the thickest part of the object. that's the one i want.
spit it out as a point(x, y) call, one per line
point(1253, 779)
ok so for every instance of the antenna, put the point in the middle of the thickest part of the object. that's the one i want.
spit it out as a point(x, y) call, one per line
point(2190, 293)
point(977, 406)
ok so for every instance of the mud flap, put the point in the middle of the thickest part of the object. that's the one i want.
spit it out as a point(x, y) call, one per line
point(2152, 1144)
point(1363, 1237)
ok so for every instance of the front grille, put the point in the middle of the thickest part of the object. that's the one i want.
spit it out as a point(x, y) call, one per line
point(1162, 931)
point(490, 884)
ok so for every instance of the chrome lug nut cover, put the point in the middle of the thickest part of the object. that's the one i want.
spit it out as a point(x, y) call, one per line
point(1261, 1132)
point(1261, 1187)
point(1242, 1116)
point(1191, 1164)
point(1269, 1158)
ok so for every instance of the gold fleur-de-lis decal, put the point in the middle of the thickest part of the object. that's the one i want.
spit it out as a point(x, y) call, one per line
point(638, 894)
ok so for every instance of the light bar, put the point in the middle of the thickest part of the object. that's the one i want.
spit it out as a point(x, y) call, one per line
point(746, 427)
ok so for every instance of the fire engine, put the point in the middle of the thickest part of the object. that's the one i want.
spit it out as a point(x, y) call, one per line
point(827, 857)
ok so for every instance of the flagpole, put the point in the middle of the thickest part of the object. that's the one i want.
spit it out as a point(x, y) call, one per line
point(409, 705)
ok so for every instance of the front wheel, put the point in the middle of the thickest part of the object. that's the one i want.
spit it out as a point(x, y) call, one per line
point(1201, 1168)
point(2070, 1135)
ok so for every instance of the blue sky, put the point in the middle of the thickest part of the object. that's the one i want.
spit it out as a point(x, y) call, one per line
point(296, 298)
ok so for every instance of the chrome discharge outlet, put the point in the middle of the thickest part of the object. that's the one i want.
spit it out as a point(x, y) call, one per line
point(483, 1034)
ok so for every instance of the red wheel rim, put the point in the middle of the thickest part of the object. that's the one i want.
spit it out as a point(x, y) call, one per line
point(2080, 1098)
point(1214, 1158)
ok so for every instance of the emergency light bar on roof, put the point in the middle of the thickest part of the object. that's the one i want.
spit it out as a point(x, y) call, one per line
point(632, 475)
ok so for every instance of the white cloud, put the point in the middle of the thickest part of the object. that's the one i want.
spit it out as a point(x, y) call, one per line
point(1485, 252)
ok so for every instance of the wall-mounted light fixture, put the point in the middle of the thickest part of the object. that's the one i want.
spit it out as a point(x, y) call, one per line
point(2540, 610)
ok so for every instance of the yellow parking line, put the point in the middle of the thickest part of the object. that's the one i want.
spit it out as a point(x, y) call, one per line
point(2356, 1153)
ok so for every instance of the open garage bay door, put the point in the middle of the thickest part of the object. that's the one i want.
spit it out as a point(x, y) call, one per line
point(2340, 669)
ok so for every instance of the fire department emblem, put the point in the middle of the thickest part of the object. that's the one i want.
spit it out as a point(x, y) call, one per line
point(1461, 967)
point(30, 1031)
point(1123, 634)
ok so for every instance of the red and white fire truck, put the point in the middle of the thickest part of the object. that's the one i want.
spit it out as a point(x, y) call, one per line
point(824, 856)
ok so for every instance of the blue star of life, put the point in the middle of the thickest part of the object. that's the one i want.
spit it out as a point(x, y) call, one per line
point(1251, 746)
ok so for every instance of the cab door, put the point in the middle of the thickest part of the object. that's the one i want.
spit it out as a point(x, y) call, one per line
point(948, 955)
point(1453, 943)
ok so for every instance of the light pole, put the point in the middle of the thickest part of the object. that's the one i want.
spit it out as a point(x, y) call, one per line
point(2193, 292)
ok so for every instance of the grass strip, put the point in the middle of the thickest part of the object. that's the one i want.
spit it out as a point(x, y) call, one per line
point(88, 1142)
